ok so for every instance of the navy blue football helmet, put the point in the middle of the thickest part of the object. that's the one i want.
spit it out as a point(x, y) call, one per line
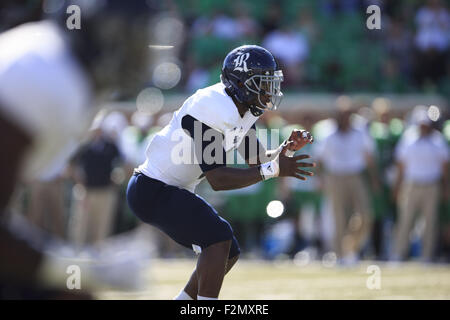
point(250, 74)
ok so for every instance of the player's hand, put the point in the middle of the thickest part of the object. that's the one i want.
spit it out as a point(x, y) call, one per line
point(291, 166)
point(299, 139)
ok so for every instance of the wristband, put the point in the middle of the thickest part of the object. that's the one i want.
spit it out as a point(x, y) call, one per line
point(269, 169)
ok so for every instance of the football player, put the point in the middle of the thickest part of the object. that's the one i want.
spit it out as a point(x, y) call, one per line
point(48, 78)
point(213, 123)
point(44, 106)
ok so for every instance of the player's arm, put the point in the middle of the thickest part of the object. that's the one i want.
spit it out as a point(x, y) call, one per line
point(222, 177)
point(225, 178)
point(264, 164)
point(252, 150)
point(255, 154)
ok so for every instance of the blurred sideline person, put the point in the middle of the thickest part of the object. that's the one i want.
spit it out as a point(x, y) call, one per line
point(422, 158)
point(344, 156)
point(95, 194)
point(212, 122)
point(385, 132)
point(46, 88)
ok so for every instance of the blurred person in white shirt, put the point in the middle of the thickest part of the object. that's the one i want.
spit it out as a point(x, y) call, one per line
point(422, 158)
point(344, 156)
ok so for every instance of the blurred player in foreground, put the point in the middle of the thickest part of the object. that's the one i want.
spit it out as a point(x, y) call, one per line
point(46, 95)
point(43, 105)
point(213, 123)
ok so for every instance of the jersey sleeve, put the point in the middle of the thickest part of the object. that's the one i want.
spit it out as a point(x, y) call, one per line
point(208, 143)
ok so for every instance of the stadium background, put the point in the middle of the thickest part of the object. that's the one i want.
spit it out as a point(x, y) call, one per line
point(329, 57)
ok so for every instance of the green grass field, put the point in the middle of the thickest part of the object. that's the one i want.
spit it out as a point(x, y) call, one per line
point(263, 280)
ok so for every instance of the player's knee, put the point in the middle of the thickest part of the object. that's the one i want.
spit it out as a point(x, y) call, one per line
point(220, 238)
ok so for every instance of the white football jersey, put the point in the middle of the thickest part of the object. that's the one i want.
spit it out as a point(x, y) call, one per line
point(43, 91)
point(213, 107)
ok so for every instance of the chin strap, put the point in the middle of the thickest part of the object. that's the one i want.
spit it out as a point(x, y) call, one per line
point(255, 111)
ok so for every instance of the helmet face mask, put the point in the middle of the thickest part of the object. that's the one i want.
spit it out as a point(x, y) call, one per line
point(251, 76)
point(267, 88)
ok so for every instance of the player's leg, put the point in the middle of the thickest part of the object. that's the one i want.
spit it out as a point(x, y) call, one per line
point(212, 263)
point(190, 221)
point(211, 266)
point(191, 288)
point(215, 251)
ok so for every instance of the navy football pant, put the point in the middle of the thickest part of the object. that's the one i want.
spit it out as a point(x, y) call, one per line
point(182, 215)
